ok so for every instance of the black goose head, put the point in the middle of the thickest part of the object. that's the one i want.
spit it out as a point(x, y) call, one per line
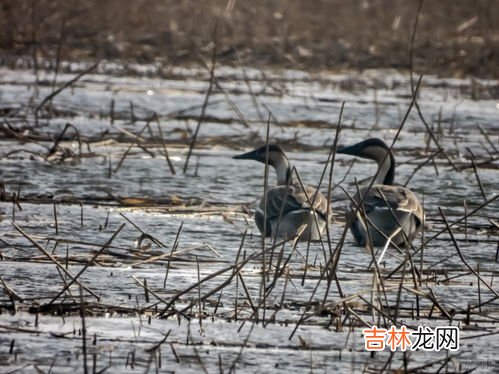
point(276, 158)
point(276, 153)
point(373, 149)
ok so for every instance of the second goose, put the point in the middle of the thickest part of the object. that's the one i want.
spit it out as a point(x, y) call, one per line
point(288, 197)
point(391, 208)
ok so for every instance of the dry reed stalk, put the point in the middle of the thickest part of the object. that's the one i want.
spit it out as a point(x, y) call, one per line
point(240, 353)
point(205, 103)
point(421, 258)
point(165, 150)
point(492, 199)
point(53, 259)
point(199, 294)
point(328, 199)
point(248, 296)
point(201, 363)
point(430, 296)
point(419, 166)
point(62, 88)
point(250, 88)
point(55, 220)
point(312, 204)
point(59, 139)
point(380, 311)
point(236, 268)
point(279, 218)
point(174, 247)
point(263, 294)
point(411, 68)
point(480, 278)
point(425, 243)
point(161, 299)
point(130, 147)
point(83, 332)
point(487, 138)
point(475, 170)
point(90, 262)
point(34, 43)
point(12, 294)
point(408, 243)
point(377, 279)
point(155, 240)
point(308, 305)
point(281, 303)
point(59, 52)
point(399, 293)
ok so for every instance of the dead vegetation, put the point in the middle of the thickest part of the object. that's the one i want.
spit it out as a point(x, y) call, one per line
point(253, 285)
point(455, 38)
point(106, 255)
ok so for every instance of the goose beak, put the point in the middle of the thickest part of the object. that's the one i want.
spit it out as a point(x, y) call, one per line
point(353, 150)
point(247, 156)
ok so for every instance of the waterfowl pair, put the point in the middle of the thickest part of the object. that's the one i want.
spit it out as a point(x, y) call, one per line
point(393, 210)
point(287, 206)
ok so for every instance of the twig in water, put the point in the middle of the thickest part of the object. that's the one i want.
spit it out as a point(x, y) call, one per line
point(55, 221)
point(53, 259)
point(83, 332)
point(60, 89)
point(492, 199)
point(240, 353)
point(465, 221)
point(461, 254)
point(91, 261)
point(475, 170)
point(421, 259)
point(58, 53)
point(137, 142)
point(155, 240)
point(59, 139)
point(263, 294)
point(416, 169)
point(158, 344)
point(199, 294)
point(161, 299)
point(205, 103)
point(248, 296)
point(487, 138)
point(250, 89)
point(411, 68)
point(174, 247)
point(329, 210)
point(172, 168)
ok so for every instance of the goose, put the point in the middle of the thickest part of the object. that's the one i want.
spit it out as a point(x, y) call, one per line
point(383, 201)
point(290, 197)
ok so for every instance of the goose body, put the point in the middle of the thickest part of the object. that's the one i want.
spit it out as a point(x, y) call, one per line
point(391, 210)
point(290, 198)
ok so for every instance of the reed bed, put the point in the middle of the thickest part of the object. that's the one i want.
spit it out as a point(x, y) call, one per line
point(176, 277)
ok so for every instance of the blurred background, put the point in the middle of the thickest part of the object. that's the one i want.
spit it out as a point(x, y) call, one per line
point(454, 37)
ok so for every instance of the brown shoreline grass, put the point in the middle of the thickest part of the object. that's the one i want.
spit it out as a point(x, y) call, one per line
point(455, 38)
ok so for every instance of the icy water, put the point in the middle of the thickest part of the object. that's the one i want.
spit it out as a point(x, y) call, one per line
point(118, 175)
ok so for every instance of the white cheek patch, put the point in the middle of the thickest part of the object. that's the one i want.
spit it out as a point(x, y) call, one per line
point(376, 153)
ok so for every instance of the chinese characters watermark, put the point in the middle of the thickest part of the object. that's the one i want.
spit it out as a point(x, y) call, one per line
point(424, 338)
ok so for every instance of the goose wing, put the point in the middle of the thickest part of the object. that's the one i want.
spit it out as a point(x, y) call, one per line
point(294, 198)
point(397, 197)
